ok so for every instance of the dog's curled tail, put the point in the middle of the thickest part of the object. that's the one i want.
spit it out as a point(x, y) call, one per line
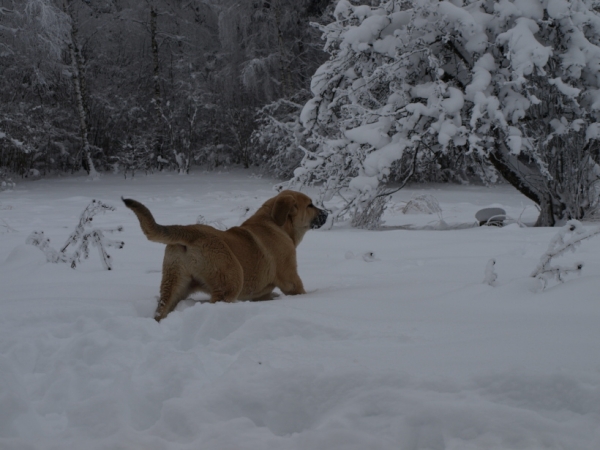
point(151, 229)
point(169, 234)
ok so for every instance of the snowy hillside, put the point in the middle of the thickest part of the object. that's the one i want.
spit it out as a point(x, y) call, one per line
point(398, 344)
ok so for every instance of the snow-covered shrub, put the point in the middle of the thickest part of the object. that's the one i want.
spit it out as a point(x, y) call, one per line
point(511, 84)
point(6, 181)
point(81, 237)
point(422, 204)
point(276, 143)
point(425, 204)
point(136, 155)
point(567, 239)
point(369, 216)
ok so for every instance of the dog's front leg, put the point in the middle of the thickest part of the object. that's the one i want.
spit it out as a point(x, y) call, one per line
point(292, 285)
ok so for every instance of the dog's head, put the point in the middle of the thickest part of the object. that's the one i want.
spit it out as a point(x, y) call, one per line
point(296, 214)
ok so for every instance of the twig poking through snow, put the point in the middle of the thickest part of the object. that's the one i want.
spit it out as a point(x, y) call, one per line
point(4, 225)
point(490, 275)
point(83, 236)
point(39, 239)
point(567, 238)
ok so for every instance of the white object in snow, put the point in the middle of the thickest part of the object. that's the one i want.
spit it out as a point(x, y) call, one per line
point(491, 216)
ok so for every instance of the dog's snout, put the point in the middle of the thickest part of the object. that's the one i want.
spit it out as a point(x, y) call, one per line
point(320, 220)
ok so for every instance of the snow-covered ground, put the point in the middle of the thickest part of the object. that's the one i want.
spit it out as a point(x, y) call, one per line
point(405, 349)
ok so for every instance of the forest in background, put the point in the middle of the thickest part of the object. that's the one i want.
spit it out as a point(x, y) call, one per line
point(130, 85)
point(357, 97)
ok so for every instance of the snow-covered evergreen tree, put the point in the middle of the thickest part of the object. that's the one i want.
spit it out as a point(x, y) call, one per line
point(513, 84)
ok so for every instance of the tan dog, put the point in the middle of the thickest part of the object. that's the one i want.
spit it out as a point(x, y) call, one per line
point(245, 262)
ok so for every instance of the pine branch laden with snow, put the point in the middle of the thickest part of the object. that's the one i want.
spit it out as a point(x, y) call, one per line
point(567, 239)
point(81, 238)
point(410, 82)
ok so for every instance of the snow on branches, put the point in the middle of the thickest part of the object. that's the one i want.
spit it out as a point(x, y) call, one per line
point(567, 239)
point(481, 81)
point(80, 238)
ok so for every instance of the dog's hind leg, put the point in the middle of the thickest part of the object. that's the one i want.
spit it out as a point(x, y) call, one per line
point(174, 287)
point(225, 278)
point(226, 286)
point(176, 284)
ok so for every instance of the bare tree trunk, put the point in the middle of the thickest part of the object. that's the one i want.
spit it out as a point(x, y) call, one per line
point(548, 212)
point(158, 142)
point(79, 86)
point(285, 73)
point(192, 124)
point(528, 182)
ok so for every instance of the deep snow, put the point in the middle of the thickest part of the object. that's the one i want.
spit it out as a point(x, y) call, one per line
point(405, 348)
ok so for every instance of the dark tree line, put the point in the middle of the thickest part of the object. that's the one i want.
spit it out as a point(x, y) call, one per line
point(409, 91)
point(143, 85)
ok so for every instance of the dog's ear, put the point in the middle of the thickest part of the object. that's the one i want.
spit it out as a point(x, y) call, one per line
point(282, 208)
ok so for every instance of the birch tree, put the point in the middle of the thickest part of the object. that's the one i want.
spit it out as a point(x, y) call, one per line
point(79, 86)
point(32, 36)
point(126, 85)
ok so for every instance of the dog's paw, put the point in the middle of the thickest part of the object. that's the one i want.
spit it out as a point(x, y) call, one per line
point(266, 297)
